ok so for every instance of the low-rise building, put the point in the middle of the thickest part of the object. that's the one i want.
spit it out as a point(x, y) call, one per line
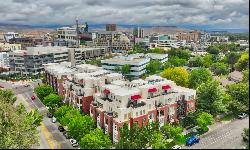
point(137, 62)
point(9, 47)
point(112, 101)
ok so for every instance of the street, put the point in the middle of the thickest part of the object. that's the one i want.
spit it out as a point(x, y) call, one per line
point(50, 137)
point(227, 136)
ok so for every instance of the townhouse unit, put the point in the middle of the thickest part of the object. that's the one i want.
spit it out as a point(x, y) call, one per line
point(137, 62)
point(112, 101)
point(78, 84)
point(140, 102)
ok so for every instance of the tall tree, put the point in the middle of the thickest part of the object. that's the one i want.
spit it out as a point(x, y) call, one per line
point(96, 139)
point(182, 54)
point(210, 98)
point(246, 75)
point(153, 66)
point(65, 120)
point(43, 91)
point(239, 94)
point(52, 100)
point(198, 76)
point(61, 111)
point(243, 62)
point(179, 75)
point(126, 69)
point(79, 126)
point(7, 96)
point(220, 68)
point(203, 120)
point(18, 130)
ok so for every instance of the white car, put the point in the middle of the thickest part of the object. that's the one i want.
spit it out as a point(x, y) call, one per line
point(176, 147)
point(73, 142)
point(53, 119)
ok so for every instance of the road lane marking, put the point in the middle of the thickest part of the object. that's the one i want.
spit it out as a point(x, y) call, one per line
point(43, 127)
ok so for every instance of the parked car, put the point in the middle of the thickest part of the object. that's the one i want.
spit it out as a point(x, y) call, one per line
point(61, 129)
point(54, 120)
point(26, 85)
point(192, 140)
point(242, 115)
point(33, 97)
point(65, 133)
point(73, 142)
point(49, 115)
point(176, 147)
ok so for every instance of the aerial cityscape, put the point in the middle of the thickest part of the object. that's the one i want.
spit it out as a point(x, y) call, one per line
point(143, 74)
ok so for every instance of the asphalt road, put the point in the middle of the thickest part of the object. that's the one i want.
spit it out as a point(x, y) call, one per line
point(228, 136)
point(50, 136)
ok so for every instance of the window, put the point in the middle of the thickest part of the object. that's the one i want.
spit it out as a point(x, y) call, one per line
point(115, 127)
point(129, 115)
point(141, 112)
point(136, 114)
point(125, 117)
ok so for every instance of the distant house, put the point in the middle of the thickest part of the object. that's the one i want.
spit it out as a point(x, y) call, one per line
point(235, 76)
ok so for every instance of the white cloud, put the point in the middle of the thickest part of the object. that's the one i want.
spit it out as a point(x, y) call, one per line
point(228, 13)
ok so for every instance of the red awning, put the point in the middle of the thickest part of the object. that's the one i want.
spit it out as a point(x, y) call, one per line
point(152, 90)
point(106, 91)
point(135, 97)
point(165, 87)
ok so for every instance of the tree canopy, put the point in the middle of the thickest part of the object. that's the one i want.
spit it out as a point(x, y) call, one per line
point(219, 68)
point(203, 120)
point(126, 69)
point(179, 75)
point(52, 100)
point(199, 76)
point(210, 98)
point(243, 62)
point(96, 139)
point(153, 66)
point(43, 91)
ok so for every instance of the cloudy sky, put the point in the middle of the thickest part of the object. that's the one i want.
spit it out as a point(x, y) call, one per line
point(219, 13)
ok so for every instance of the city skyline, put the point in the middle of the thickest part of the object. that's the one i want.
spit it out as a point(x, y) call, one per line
point(230, 14)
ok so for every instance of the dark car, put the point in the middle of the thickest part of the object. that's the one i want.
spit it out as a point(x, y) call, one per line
point(192, 140)
point(66, 135)
point(242, 115)
point(61, 129)
point(49, 115)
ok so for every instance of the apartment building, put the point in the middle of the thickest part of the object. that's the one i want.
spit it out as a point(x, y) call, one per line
point(78, 84)
point(114, 41)
point(165, 42)
point(30, 61)
point(4, 60)
point(10, 35)
point(138, 32)
point(138, 62)
point(9, 47)
point(193, 36)
point(112, 101)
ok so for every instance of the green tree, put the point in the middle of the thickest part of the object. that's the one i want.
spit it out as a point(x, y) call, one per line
point(179, 75)
point(35, 117)
point(79, 126)
point(245, 75)
point(7, 96)
point(207, 60)
point(52, 100)
point(173, 132)
point(61, 111)
point(43, 91)
point(198, 76)
point(182, 54)
point(177, 62)
point(65, 120)
point(96, 139)
point(190, 119)
point(219, 68)
point(153, 66)
point(117, 69)
point(239, 94)
point(203, 120)
point(157, 51)
point(18, 131)
point(196, 62)
point(210, 98)
point(243, 62)
point(126, 69)
point(214, 49)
